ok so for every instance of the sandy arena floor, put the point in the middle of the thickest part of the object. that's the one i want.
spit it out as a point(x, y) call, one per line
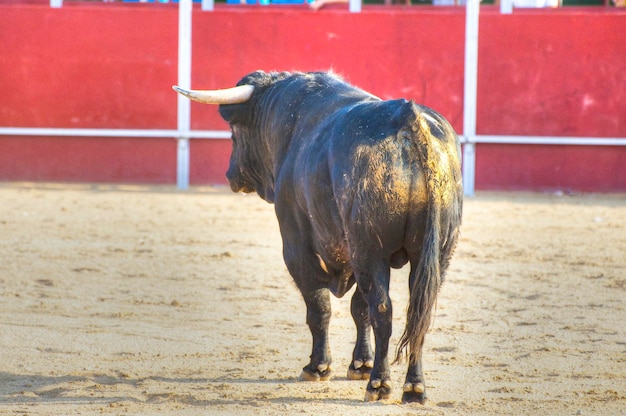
point(135, 300)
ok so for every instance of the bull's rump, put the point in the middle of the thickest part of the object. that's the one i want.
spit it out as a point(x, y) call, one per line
point(374, 205)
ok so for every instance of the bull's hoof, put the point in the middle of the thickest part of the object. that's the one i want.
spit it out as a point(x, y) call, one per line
point(360, 370)
point(414, 393)
point(321, 373)
point(378, 390)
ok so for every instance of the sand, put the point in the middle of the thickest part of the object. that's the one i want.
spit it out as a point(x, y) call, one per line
point(146, 300)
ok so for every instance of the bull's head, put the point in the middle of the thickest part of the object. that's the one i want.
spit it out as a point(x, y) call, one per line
point(251, 110)
point(237, 174)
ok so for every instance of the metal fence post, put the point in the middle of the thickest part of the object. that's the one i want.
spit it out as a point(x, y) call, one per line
point(182, 163)
point(185, 8)
point(506, 6)
point(469, 167)
point(472, 10)
point(208, 5)
point(355, 6)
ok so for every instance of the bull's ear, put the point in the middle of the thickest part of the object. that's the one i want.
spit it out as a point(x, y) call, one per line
point(235, 95)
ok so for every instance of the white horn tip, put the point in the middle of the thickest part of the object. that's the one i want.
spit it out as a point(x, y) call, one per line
point(234, 95)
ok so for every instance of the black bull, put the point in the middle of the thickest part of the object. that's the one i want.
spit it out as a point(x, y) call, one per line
point(359, 185)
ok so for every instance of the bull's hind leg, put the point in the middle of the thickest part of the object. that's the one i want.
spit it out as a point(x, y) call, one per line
point(363, 356)
point(318, 318)
point(414, 388)
point(374, 285)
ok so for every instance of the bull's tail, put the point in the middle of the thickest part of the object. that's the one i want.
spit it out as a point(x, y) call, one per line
point(426, 274)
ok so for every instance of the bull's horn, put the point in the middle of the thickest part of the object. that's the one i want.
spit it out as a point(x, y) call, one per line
point(235, 95)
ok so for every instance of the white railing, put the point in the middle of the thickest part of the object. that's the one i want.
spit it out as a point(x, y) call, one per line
point(183, 104)
point(470, 89)
point(547, 140)
point(127, 133)
point(183, 133)
point(183, 137)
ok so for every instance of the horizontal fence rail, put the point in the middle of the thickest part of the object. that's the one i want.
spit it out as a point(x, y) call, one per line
point(557, 140)
point(183, 170)
point(225, 134)
point(126, 133)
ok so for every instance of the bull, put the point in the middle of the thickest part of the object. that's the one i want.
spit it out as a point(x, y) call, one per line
point(360, 185)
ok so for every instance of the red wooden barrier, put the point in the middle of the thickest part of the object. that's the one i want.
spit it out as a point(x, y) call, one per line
point(552, 73)
point(111, 65)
